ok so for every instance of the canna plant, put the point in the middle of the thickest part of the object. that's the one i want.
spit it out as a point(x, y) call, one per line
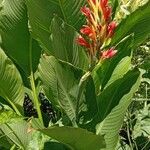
point(66, 78)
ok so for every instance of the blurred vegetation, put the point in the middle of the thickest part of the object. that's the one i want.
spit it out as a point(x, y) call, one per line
point(135, 132)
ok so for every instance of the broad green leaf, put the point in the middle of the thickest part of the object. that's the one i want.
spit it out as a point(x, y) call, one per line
point(11, 85)
point(63, 44)
point(6, 116)
point(115, 68)
point(13, 30)
point(112, 122)
point(17, 133)
point(15, 35)
point(4, 144)
point(58, 38)
point(88, 113)
point(71, 12)
point(60, 83)
point(42, 12)
point(76, 138)
point(137, 23)
point(122, 67)
point(55, 146)
point(111, 95)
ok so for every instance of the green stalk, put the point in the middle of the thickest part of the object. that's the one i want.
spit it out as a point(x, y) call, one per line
point(82, 85)
point(13, 147)
point(34, 94)
point(13, 105)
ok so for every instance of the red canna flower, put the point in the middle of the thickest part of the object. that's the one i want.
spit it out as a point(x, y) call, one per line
point(86, 11)
point(108, 54)
point(106, 9)
point(104, 2)
point(98, 30)
point(88, 31)
point(111, 27)
point(81, 41)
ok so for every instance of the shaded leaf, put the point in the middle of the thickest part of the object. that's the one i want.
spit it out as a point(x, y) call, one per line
point(75, 138)
point(112, 123)
point(11, 85)
point(60, 83)
point(17, 132)
point(15, 35)
point(112, 95)
point(63, 44)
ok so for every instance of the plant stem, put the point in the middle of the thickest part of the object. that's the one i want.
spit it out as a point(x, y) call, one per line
point(128, 132)
point(12, 104)
point(14, 107)
point(34, 94)
point(82, 85)
point(13, 147)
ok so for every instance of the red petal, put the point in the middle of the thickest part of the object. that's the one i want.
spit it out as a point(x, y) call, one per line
point(86, 11)
point(108, 54)
point(104, 2)
point(81, 41)
point(106, 9)
point(111, 27)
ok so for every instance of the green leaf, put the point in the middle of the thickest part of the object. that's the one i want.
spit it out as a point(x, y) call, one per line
point(6, 116)
point(40, 15)
point(115, 102)
point(11, 85)
point(115, 68)
point(15, 35)
point(60, 83)
point(17, 132)
point(13, 30)
point(75, 138)
point(63, 44)
point(42, 12)
point(55, 146)
point(111, 95)
point(58, 38)
point(137, 23)
point(71, 12)
point(4, 143)
point(90, 105)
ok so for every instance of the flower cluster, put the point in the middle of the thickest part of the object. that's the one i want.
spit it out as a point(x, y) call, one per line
point(98, 31)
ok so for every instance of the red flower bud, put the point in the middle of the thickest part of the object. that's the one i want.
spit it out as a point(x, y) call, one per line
point(81, 41)
point(86, 11)
point(106, 10)
point(111, 27)
point(104, 2)
point(108, 54)
point(107, 13)
point(88, 31)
